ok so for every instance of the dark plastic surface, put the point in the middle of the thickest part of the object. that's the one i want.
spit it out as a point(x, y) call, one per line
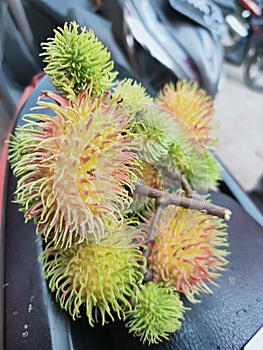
point(13, 47)
point(102, 29)
point(32, 319)
point(45, 15)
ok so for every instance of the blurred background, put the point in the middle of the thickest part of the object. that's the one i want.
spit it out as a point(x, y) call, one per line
point(240, 114)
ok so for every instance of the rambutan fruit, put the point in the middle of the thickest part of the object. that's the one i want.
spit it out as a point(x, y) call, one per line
point(93, 280)
point(165, 139)
point(183, 157)
point(76, 171)
point(154, 128)
point(158, 311)
point(193, 114)
point(192, 106)
point(132, 96)
point(200, 168)
point(77, 60)
point(155, 132)
point(189, 250)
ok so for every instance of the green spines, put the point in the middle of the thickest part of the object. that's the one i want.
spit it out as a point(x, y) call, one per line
point(198, 165)
point(132, 97)
point(157, 313)
point(77, 60)
point(154, 135)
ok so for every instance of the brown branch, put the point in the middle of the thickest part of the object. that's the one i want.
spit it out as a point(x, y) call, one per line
point(172, 175)
point(186, 187)
point(189, 203)
point(182, 179)
point(153, 227)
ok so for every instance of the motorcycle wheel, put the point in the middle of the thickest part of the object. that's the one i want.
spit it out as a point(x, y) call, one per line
point(253, 71)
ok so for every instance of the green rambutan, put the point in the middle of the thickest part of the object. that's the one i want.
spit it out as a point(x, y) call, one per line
point(155, 133)
point(132, 96)
point(76, 172)
point(199, 166)
point(99, 280)
point(77, 60)
point(157, 313)
point(188, 251)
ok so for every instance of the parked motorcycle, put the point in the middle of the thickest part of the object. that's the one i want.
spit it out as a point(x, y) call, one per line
point(245, 23)
point(169, 40)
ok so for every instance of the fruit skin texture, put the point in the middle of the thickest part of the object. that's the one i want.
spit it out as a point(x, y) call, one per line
point(75, 59)
point(158, 311)
point(76, 170)
point(193, 107)
point(100, 280)
point(132, 97)
point(189, 250)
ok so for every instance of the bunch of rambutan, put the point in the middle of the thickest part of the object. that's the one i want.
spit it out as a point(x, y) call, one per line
point(111, 181)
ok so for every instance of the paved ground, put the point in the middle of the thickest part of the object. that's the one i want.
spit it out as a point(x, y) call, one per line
point(240, 112)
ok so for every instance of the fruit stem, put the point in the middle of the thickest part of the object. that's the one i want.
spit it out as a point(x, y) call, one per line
point(193, 203)
point(151, 235)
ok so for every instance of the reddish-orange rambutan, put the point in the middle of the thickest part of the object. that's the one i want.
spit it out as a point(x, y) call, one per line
point(189, 250)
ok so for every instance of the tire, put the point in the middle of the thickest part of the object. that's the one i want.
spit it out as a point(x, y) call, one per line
point(253, 71)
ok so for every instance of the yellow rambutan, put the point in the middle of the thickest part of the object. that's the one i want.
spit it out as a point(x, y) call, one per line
point(93, 280)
